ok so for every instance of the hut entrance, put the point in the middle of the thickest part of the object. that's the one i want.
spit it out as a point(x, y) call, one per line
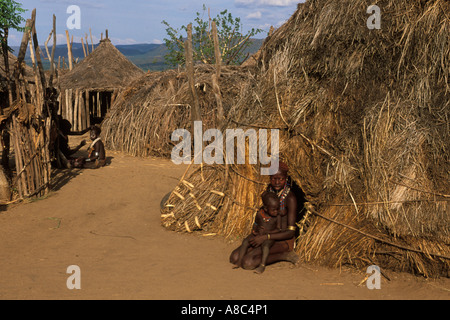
point(301, 199)
point(85, 108)
point(99, 104)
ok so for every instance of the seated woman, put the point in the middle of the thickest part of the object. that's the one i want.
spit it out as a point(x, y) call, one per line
point(282, 249)
point(61, 143)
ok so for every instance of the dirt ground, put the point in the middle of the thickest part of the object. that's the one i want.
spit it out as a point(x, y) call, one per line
point(107, 222)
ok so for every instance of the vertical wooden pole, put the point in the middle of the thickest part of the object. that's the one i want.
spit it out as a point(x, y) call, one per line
point(99, 105)
point(21, 184)
point(92, 41)
point(21, 55)
point(82, 111)
point(75, 111)
point(52, 58)
point(88, 114)
point(84, 49)
point(87, 45)
point(69, 51)
point(37, 50)
point(66, 115)
point(195, 112)
point(36, 78)
point(70, 104)
point(216, 77)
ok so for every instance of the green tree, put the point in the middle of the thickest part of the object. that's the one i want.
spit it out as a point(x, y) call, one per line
point(10, 18)
point(232, 41)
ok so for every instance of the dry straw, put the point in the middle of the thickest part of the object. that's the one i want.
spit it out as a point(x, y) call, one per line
point(364, 120)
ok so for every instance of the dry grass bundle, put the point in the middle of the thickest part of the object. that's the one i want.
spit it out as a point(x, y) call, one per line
point(364, 119)
point(215, 199)
point(145, 115)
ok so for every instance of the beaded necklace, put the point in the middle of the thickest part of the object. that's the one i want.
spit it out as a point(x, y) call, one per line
point(282, 194)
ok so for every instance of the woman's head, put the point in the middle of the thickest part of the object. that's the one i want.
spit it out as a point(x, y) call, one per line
point(65, 126)
point(279, 179)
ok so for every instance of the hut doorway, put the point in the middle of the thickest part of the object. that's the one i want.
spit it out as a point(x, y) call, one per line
point(85, 108)
point(301, 200)
point(99, 105)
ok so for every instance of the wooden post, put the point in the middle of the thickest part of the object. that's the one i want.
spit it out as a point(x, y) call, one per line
point(37, 50)
point(75, 112)
point(88, 115)
point(21, 54)
point(87, 45)
point(92, 41)
point(66, 105)
point(84, 49)
point(195, 112)
point(70, 105)
point(216, 77)
point(52, 58)
point(99, 105)
point(82, 110)
point(36, 79)
point(69, 51)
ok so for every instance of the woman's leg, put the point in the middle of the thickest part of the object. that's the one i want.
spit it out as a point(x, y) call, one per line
point(280, 251)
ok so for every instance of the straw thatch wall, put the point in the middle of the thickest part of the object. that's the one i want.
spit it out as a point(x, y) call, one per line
point(364, 119)
point(145, 115)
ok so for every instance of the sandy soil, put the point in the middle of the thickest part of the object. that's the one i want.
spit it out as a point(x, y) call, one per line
point(107, 222)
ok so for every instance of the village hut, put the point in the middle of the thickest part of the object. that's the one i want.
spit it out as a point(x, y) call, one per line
point(89, 89)
point(363, 116)
point(145, 115)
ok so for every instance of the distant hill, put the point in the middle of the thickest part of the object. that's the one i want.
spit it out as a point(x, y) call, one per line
point(145, 56)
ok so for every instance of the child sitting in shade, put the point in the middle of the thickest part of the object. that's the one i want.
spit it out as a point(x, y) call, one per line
point(267, 222)
point(97, 154)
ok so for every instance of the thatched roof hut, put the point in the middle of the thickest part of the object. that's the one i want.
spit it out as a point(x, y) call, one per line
point(88, 91)
point(363, 116)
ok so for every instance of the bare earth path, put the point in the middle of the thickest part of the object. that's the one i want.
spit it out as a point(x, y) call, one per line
point(107, 222)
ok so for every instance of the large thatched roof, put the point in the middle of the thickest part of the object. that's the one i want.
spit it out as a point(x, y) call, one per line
point(106, 68)
point(363, 118)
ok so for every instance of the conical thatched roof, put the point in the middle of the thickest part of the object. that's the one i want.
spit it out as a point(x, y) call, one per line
point(105, 68)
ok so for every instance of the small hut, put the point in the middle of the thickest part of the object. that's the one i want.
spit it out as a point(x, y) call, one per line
point(88, 91)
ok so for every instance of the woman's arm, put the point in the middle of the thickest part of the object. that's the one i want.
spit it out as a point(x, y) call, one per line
point(286, 234)
point(79, 133)
point(76, 149)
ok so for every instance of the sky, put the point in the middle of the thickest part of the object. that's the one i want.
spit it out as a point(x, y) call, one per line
point(139, 21)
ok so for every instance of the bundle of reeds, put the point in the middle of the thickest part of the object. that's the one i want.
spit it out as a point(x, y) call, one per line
point(215, 199)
